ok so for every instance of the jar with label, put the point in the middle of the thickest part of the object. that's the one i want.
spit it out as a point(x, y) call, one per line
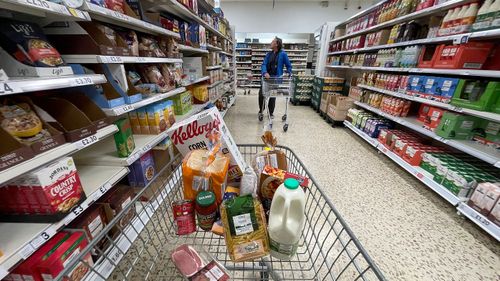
point(206, 209)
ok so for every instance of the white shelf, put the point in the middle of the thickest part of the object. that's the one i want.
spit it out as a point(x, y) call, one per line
point(214, 67)
point(45, 9)
point(487, 154)
point(189, 49)
point(176, 8)
point(243, 49)
point(417, 172)
point(31, 84)
point(216, 83)
point(482, 114)
point(243, 62)
point(105, 266)
point(458, 72)
point(122, 109)
point(480, 220)
point(55, 153)
point(213, 48)
point(243, 56)
point(105, 154)
point(20, 240)
point(415, 15)
point(231, 103)
point(196, 109)
point(116, 59)
point(227, 54)
point(117, 18)
point(197, 81)
point(244, 68)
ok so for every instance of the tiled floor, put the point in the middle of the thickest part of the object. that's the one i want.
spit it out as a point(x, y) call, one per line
point(408, 230)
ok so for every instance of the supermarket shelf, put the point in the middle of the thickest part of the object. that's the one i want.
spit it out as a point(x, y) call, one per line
point(117, 18)
point(176, 8)
point(243, 56)
point(197, 81)
point(116, 59)
point(214, 67)
point(31, 84)
point(243, 62)
point(458, 72)
point(415, 15)
point(454, 38)
point(226, 53)
point(189, 49)
point(243, 49)
point(244, 68)
point(45, 9)
point(482, 114)
point(196, 109)
point(105, 266)
point(480, 220)
point(213, 48)
point(487, 154)
point(216, 83)
point(122, 109)
point(231, 103)
point(417, 172)
point(55, 153)
point(20, 240)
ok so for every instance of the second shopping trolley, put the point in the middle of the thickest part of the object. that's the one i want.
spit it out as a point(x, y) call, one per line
point(276, 87)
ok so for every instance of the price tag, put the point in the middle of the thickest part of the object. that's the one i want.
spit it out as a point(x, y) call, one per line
point(77, 211)
point(119, 15)
point(3, 272)
point(124, 109)
point(384, 150)
point(87, 141)
point(26, 251)
point(146, 148)
point(42, 238)
point(9, 88)
point(111, 59)
point(462, 39)
point(141, 59)
point(457, 109)
point(419, 175)
point(133, 158)
point(38, 4)
point(481, 219)
point(81, 81)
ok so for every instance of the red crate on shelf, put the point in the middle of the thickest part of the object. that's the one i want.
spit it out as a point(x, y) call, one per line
point(471, 55)
point(428, 55)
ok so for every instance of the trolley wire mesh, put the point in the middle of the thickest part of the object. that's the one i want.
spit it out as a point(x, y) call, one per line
point(328, 250)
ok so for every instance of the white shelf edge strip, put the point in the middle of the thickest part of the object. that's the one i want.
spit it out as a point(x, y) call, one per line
point(463, 146)
point(116, 59)
point(480, 220)
point(459, 72)
point(21, 85)
point(55, 153)
point(50, 7)
point(119, 110)
point(197, 81)
point(483, 114)
point(184, 48)
point(40, 238)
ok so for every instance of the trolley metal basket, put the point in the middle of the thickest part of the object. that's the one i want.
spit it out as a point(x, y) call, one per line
point(140, 250)
point(277, 87)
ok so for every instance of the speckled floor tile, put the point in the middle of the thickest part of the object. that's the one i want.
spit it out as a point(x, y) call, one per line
point(408, 230)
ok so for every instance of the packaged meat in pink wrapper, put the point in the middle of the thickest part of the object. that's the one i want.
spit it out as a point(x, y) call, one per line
point(197, 264)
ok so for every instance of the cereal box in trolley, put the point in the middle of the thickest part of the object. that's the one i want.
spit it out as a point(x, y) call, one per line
point(54, 190)
point(192, 133)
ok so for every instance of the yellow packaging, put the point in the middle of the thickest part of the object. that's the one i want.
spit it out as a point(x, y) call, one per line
point(134, 122)
point(200, 93)
point(142, 117)
point(156, 119)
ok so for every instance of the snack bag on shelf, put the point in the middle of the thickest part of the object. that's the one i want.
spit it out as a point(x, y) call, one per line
point(269, 156)
point(194, 132)
point(245, 228)
point(196, 264)
point(204, 169)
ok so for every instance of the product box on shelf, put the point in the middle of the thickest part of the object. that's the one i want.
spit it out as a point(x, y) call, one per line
point(124, 139)
point(67, 118)
point(488, 134)
point(116, 200)
point(470, 55)
point(483, 197)
point(89, 108)
point(194, 67)
point(445, 89)
point(142, 117)
point(182, 103)
point(44, 195)
point(457, 126)
point(142, 171)
point(193, 133)
point(478, 95)
point(200, 93)
point(156, 119)
point(433, 118)
point(92, 221)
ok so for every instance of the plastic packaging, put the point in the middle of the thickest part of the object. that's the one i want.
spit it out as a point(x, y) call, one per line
point(195, 263)
point(286, 219)
point(249, 182)
point(270, 155)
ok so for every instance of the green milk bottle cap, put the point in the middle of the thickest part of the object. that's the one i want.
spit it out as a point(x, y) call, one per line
point(291, 183)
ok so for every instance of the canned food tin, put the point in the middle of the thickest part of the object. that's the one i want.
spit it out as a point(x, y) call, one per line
point(184, 216)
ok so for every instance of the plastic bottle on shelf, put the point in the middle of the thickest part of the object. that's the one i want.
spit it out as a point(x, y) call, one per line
point(457, 22)
point(494, 13)
point(445, 22)
point(286, 219)
point(468, 18)
point(482, 20)
point(448, 25)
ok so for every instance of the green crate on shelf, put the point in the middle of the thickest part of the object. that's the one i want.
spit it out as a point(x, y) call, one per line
point(478, 95)
point(457, 126)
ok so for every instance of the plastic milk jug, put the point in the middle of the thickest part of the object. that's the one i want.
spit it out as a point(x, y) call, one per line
point(286, 219)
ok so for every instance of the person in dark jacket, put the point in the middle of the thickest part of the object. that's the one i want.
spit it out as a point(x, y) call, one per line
point(272, 66)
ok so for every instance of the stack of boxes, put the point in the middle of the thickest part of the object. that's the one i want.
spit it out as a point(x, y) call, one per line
point(303, 88)
point(325, 85)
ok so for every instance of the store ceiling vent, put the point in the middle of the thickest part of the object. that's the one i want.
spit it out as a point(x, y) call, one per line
point(324, 4)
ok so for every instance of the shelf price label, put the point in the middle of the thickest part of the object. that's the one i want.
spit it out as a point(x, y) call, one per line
point(43, 237)
point(26, 251)
point(111, 59)
point(124, 109)
point(141, 59)
point(87, 141)
point(9, 88)
point(82, 81)
point(481, 219)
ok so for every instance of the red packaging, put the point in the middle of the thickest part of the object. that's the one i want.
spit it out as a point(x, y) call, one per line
point(183, 211)
point(63, 255)
point(423, 112)
point(471, 55)
point(115, 5)
point(433, 118)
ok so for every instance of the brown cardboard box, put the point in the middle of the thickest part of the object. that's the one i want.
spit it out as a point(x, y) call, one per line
point(87, 106)
point(341, 102)
point(336, 114)
point(326, 100)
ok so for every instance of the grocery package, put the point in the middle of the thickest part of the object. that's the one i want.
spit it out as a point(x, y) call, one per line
point(196, 264)
point(206, 209)
point(484, 197)
point(183, 103)
point(194, 133)
point(184, 216)
point(92, 221)
point(245, 229)
point(115, 200)
point(204, 170)
point(45, 194)
point(286, 219)
point(269, 156)
point(271, 178)
point(27, 43)
point(124, 140)
point(249, 182)
point(142, 171)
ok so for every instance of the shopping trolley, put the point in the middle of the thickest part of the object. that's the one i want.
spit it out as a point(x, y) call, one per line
point(140, 249)
point(276, 87)
point(248, 84)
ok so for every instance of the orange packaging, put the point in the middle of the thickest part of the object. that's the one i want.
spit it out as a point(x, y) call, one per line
point(198, 176)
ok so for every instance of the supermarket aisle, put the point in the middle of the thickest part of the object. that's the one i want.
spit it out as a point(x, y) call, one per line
point(410, 232)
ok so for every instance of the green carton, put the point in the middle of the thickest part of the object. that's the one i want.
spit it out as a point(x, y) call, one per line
point(478, 95)
point(457, 126)
point(183, 103)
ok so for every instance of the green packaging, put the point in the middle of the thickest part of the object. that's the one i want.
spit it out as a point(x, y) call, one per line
point(457, 126)
point(480, 95)
point(124, 139)
point(183, 103)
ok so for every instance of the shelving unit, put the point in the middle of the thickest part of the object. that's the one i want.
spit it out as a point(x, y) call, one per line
point(116, 59)
point(485, 153)
point(31, 84)
point(192, 50)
